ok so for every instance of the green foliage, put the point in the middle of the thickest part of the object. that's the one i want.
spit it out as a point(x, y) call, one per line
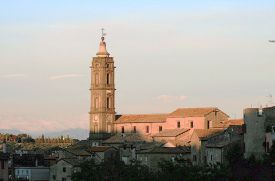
point(112, 170)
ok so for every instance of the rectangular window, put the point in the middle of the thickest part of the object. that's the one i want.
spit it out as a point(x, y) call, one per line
point(108, 102)
point(147, 129)
point(208, 124)
point(178, 124)
point(122, 129)
point(63, 179)
point(191, 124)
point(108, 79)
point(160, 128)
point(64, 169)
point(134, 129)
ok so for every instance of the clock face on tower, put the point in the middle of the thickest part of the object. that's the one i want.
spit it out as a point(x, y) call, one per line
point(95, 118)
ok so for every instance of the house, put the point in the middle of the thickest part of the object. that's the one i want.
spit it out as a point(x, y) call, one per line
point(4, 167)
point(218, 145)
point(103, 153)
point(177, 137)
point(127, 144)
point(198, 144)
point(259, 133)
point(30, 167)
point(152, 156)
point(64, 168)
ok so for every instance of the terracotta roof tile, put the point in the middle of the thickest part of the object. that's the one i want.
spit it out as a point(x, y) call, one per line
point(205, 133)
point(192, 112)
point(99, 148)
point(170, 132)
point(141, 118)
point(128, 137)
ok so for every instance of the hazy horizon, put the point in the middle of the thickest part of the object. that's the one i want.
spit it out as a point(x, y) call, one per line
point(168, 55)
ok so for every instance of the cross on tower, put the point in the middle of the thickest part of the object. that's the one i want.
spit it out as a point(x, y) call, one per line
point(102, 33)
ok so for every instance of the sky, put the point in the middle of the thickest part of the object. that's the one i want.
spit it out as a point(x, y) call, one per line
point(168, 54)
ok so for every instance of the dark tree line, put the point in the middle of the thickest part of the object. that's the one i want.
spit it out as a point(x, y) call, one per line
point(237, 169)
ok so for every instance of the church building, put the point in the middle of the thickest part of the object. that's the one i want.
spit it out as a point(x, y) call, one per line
point(103, 119)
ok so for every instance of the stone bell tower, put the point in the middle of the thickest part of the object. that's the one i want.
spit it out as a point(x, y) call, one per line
point(102, 110)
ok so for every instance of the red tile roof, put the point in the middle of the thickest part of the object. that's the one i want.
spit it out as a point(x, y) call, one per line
point(99, 148)
point(205, 133)
point(193, 112)
point(170, 132)
point(141, 118)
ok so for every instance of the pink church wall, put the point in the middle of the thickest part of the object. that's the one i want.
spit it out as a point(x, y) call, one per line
point(198, 122)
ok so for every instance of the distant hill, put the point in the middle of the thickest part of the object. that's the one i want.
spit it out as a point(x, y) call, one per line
point(10, 131)
point(77, 133)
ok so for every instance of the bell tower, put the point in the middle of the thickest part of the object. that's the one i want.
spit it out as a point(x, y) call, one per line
point(102, 109)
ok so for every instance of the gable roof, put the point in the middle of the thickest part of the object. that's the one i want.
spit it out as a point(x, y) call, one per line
point(127, 137)
point(170, 132)
point(205, 133)
point(165, 150)
point(77, 152)
point(141, 118)
point(99, 148)
point(194, 112)
point(72, 161)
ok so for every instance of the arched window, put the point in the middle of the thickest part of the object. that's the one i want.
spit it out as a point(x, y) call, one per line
point(108, 102)
point(96, 79)
point(108, 79)
point(96, 102)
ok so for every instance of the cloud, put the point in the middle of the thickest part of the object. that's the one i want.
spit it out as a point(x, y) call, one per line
point(10, 76)
point(65, 76)
point(170, 98)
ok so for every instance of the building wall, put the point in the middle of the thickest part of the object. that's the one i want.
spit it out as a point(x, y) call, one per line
point(214, 155)
point(172, 123)
point(57, 173)
point(254, 136)
point(195, 150)
point(152, 159)
point(4, 172)
point(257, 126)
point(140, 127)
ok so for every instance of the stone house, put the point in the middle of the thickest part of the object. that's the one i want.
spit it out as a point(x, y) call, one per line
point(64, 168)
point(151, 157)
point(177, 137)
point(259, 133)
point(198, 143)
point(103, 153)
point(218, 145)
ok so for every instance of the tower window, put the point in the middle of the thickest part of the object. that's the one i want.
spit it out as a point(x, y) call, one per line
point(96, 102)
point(178, 124)
point(96, 79)
point(147, 129)
point(160, 128)
point(122, 129)
point(108, 102)
point(108, 78)
point(191, 124)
